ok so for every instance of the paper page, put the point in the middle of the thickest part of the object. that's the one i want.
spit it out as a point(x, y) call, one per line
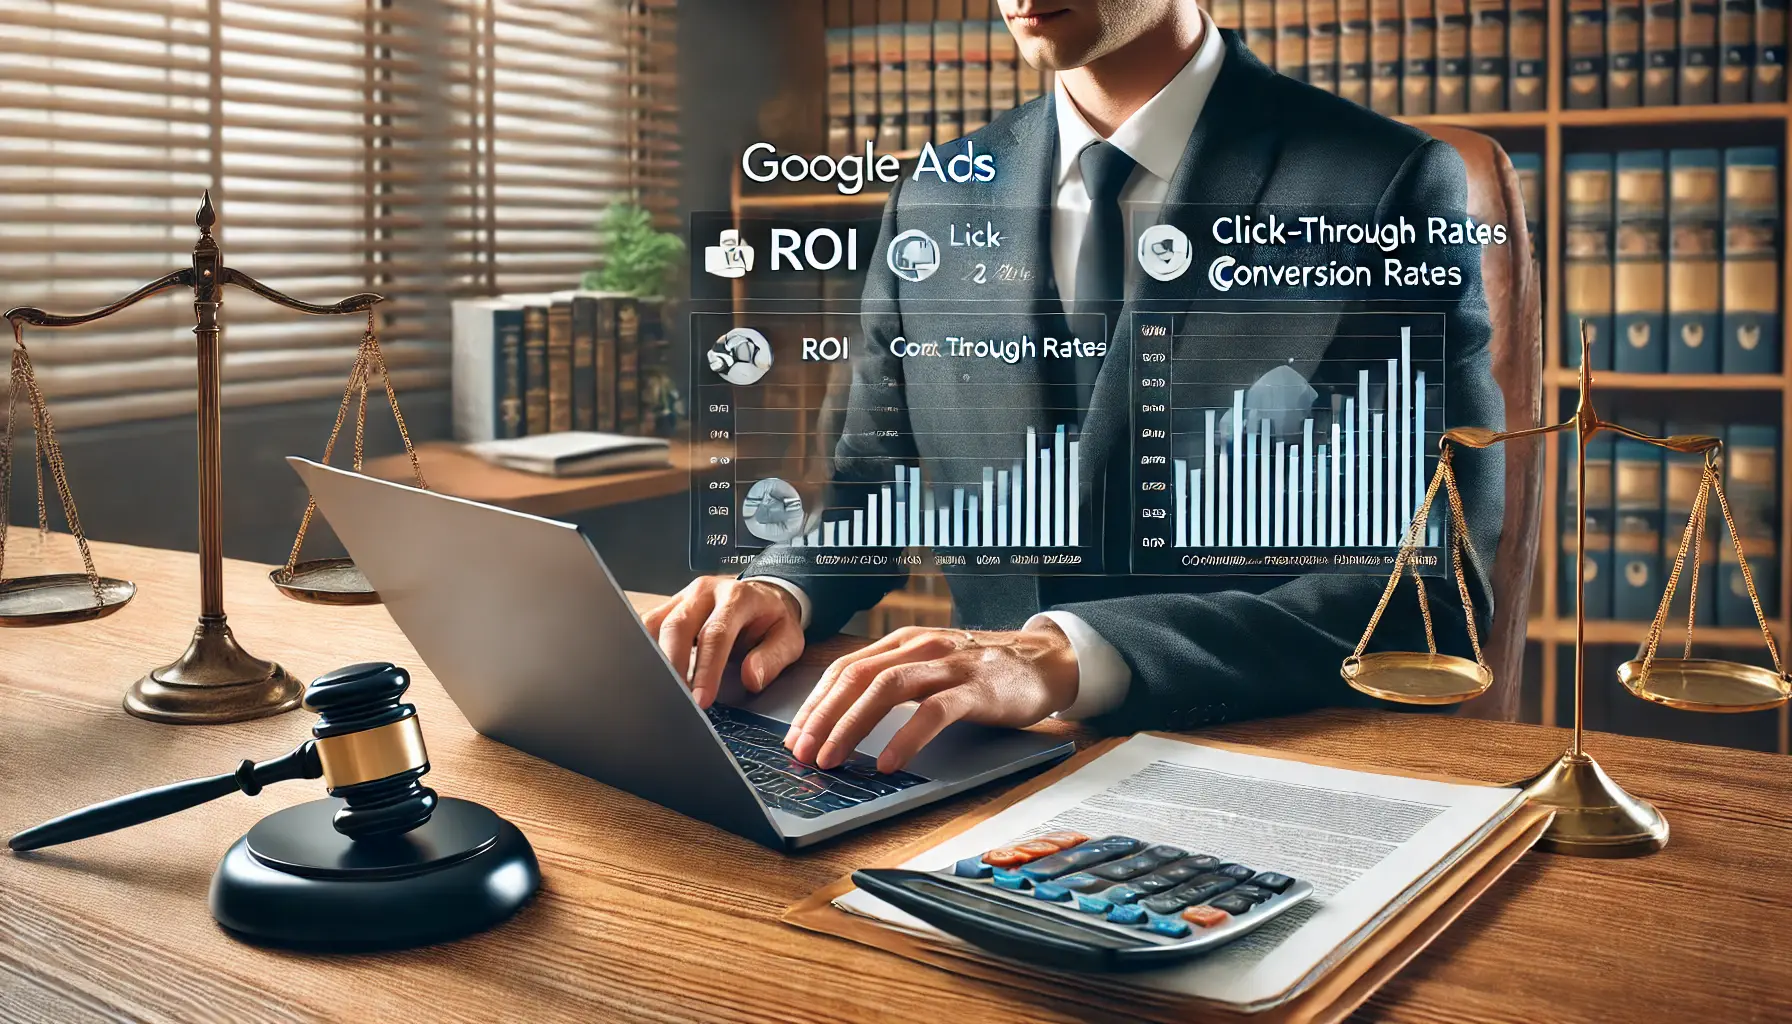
point(1361, 839)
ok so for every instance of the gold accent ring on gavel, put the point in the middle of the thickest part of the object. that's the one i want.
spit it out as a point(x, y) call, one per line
point(381, 753)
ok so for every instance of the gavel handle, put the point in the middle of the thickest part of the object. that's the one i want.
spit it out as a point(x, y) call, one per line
point(162, 801)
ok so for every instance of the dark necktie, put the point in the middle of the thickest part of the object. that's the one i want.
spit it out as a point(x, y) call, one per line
point(1101, 260)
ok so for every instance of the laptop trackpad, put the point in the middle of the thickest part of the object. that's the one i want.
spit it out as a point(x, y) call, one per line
point(784, 698)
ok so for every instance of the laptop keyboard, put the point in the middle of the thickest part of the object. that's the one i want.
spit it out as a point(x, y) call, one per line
point(806, 791)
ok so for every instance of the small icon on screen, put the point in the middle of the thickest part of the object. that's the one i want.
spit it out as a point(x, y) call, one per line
point(1164, 251)
point(729, 257)
point(773, 510)
point(913, 256)
point(741, 356)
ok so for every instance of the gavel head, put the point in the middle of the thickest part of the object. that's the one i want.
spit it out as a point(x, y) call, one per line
point(371, 750)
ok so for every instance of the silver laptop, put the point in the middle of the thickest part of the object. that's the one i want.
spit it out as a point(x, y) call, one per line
point(526, 629)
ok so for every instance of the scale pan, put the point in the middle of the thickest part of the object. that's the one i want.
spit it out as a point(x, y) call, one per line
point(1407, 677)
point(1703, 684)
point(325, 581)
point(60, 598)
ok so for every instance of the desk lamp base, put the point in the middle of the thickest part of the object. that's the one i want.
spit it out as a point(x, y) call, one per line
point(294, 881)
point(1594, 816)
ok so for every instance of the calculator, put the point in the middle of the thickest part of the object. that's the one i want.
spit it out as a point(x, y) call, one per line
point(1067, 901)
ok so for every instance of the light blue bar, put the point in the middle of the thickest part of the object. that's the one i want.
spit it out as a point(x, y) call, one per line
point(1377, 528)
point(930, 524)
point(1207, 539)
point(1060, 495)
point(1238, 467)
point(914, 505)
point(1250, 492)
point(1076, 494)
point(886, 533)
point(1032, 511)
point(1306, 483)
point(1266, 495)
point(1179, 468)
point(958, 517)
point(1045, 497)
point(1348, 472)
point(901, 506)
point(1391, 467)
point(1201, 527)
point(1365, 534)
point(988, 533)
point(1016, 505)
point(973, 536)
point(1278, 493)
point(1321, 536)
point(1001, 508)
point(1408, 445)
point(1337, 523)
point(1294, 496)
point(858, 528)
point(1220, 530)
point(1418, 433)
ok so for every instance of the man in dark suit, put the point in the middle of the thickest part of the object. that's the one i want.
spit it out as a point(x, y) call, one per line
point(1155, 108)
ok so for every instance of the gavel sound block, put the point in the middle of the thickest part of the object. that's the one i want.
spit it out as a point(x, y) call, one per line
point(383, 863)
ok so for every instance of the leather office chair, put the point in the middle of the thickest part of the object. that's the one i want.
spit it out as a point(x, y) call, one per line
point(1514, 302)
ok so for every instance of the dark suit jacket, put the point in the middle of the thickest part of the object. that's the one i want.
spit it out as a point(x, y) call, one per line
point(1202, 649)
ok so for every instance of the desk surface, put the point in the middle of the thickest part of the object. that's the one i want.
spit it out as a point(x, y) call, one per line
point(449, 469)
point(644, 914)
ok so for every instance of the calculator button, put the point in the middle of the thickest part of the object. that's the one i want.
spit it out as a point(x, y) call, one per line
point(1206, 917)
point(1232, 904)
point(1272, 881)
point(1080, 857)
point(1006, 857)
point(1185, 869)
point(1253, 893)
point(1236, 871)
point(1078, 882)
point(1139, 863)
point(1202, 862)
point(1197, 890)
point(1154, 883)
point(1126, 915)
point(1006, 878)
point(1036, 847)
point(1051, 893)
point(1170, 926)
point(1064, 840)
point(1122, 894)
point(1093, 904)
point(972, 867)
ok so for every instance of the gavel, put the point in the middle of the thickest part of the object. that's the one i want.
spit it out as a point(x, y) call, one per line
point(366, 746)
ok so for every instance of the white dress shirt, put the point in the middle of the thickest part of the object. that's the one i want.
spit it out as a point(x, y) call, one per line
point(1155, 136)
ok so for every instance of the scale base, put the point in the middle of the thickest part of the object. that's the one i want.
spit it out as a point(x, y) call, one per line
point(295, 882)
point(1594, 817)
point(214, 682)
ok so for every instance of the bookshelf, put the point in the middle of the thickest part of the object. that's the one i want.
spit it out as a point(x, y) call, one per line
point(1552, 132)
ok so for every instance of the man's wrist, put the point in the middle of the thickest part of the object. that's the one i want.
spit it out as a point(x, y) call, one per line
point(791, 602)
point(1057, 664)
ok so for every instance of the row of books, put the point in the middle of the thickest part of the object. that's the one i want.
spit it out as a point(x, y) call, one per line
point(524, 365)
point(1407, 57)
point(1628, 53)
point(1639, 498)
point(902, 74)
point(1672, 259)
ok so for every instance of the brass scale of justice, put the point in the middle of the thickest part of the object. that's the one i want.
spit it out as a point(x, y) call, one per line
point(215, 680)
point(1594, 816)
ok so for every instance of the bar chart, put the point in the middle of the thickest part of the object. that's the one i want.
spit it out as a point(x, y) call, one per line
point(1250, 464)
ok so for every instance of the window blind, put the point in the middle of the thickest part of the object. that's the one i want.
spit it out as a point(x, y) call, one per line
point(423, 149)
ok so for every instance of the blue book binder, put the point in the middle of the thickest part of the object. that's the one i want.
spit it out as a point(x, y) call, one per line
point(1597, 565)
point(1587, 262)
point(1694, 209)
point(1639, 299)
point(1636, 538)
point(1751, 269)
point(1751, 479)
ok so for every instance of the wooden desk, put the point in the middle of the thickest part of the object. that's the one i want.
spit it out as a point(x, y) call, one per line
point(648, 915)
point(449, 469)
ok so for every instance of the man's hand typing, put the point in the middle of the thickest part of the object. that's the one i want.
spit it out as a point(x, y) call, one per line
point(704, 624)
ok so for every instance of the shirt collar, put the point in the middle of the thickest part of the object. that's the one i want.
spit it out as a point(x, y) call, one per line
point(1157, 134)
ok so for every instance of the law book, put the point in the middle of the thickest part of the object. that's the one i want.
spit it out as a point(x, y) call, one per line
point(1418, 57)
point(1527, 43)
point(948, 71)
point(1291, 38)
point(1529, 168)
point(1596, 563)
point(1661, 51)
point(1694, 209)
point(1636, 577)
point(1587, 256)
point(1736, 50)
point(1354, 30)
point(1004, 66)
point(917, 73)
point(1322, 44)
point(1623, 53)
point(535, 363)
point(1698, 51)
point(1751, 267)
point(1585, 86)
point(604, 327)
point(1751, 481)
point(485, 369)
point(1487, 55)
point(1770, 52)
point(1450, 93)
point(837, 19)
point(1260, 29)
point(892, 76)
point(1385, 55)
point(865, 73)
point(973, 43)
point(658, 403)
point(628, 365)
point(583, 316)
point(560, 369)
point(1683, 473)
point(1639, 276)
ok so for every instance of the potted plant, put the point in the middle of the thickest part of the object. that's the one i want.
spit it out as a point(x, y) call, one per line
point(643, 261)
